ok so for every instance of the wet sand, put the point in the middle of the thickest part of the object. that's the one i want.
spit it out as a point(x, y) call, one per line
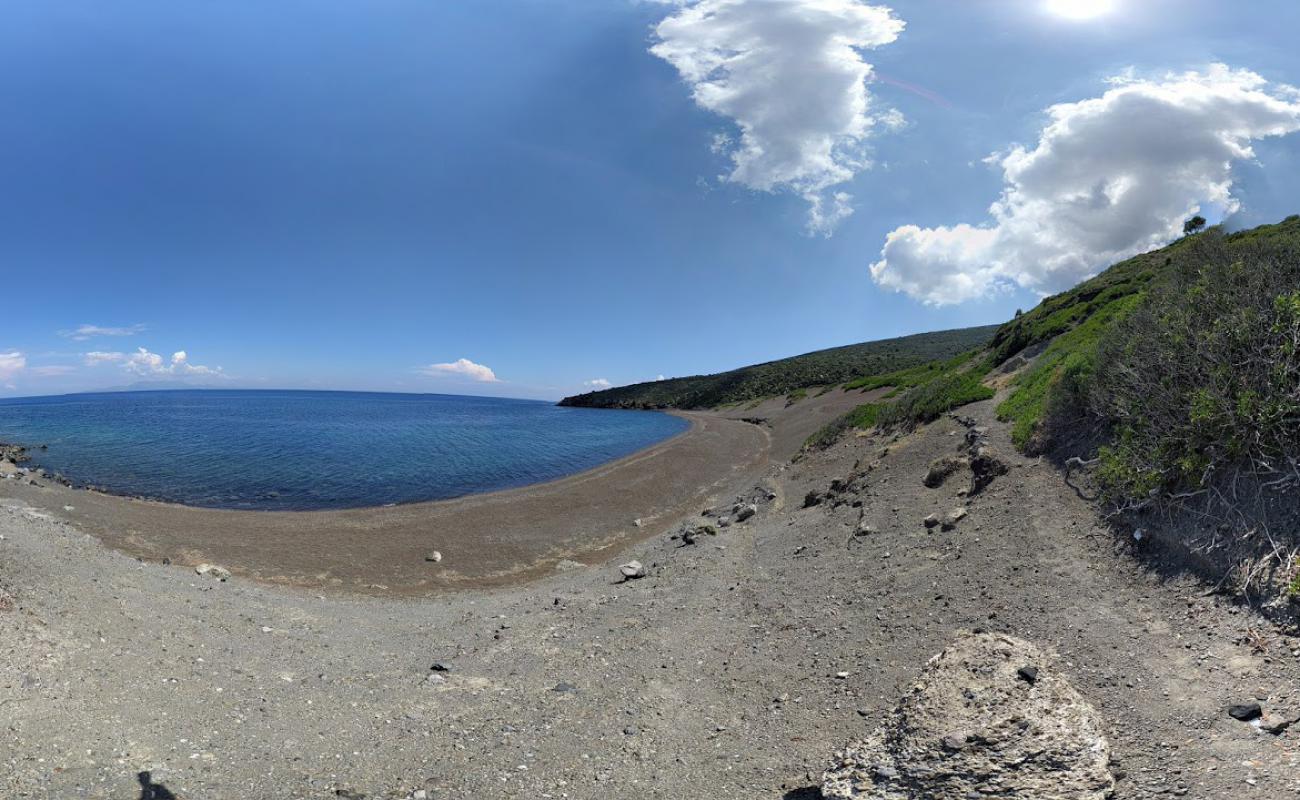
point(486, 540)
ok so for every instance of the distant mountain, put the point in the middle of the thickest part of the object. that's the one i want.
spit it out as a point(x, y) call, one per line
point(158, 386)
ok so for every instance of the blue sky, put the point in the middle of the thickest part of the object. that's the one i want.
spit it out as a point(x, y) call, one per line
point(521, 197)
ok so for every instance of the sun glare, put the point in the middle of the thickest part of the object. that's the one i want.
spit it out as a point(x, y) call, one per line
point(1080, 9)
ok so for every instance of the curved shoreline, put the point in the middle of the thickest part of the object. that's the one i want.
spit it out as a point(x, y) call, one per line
point(491, 539)
point(57, 477)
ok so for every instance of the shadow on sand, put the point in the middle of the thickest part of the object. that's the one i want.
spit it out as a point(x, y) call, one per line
point(153, 791)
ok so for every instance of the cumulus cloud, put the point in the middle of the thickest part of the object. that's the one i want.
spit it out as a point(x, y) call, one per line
point(791, 76)
point(1110, 177)
point(461, 367)
point(11, 364)
point(143, 362)
point(597, 383)
point(83, 332)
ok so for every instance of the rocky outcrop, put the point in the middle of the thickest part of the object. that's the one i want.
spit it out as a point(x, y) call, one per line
point(941, 468)
point(985, 465)
point(990, 716)
point(13, 453)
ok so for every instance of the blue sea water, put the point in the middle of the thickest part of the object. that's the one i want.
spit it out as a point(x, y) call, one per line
point(296, 450)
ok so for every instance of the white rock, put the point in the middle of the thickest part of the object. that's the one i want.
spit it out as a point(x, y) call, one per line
point(632, 569)
point(973, 725)
point(220, 573)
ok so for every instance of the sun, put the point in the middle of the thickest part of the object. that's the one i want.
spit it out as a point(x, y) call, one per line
point(1080, 9)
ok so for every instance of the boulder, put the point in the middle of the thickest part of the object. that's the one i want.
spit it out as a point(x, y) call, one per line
point(985, 466)
point(213, 571)
point(632, 570)
point(973, 726)
point(941, 469)
point(951, 519)
point(746, 512)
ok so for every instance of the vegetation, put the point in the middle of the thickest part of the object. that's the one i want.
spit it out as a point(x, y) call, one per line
point(1062, 369)
point(935, 388)
point(863, 417)
point(1133, 346)
point(776, 378)
point(912, 376)
point(1203, 379)
point(926, 402)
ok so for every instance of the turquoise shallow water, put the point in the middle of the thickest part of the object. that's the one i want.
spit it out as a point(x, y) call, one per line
point(318, 450)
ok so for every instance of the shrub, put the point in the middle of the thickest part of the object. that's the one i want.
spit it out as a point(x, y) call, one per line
point(1202, 379)
point(929, 401)
point(862, 417)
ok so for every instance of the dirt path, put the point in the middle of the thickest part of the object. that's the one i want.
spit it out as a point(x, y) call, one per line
point(716, 676)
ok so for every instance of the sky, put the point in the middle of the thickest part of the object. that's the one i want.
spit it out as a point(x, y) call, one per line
point(533, 198)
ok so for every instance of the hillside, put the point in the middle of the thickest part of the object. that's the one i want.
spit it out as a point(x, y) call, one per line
point(819, 368)
point(1171, 381)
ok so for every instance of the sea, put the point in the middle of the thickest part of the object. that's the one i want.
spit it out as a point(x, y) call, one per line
point(307, 450)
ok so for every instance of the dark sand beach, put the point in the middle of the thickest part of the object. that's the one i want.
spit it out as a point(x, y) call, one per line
point(734, 669)
point(491, 539)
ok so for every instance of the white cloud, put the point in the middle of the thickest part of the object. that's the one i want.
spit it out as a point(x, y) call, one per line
point(462, 367)
point(1110, 177)
point(143, 362)
point(83, 332)
point(597, 383)
point(11, 364)
point(53, 370)
point(96, 357)
point(790, 74)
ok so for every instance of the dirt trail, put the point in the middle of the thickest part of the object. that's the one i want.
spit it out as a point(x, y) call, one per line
point(716, 676)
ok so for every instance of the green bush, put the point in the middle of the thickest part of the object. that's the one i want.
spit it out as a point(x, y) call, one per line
point(950, 384)
point(863, 417)
point(1060, 375)
point(1202, 379)
point(930, 400)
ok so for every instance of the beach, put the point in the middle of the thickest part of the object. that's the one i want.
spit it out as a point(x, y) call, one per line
point(733, 669)
point(490, 539)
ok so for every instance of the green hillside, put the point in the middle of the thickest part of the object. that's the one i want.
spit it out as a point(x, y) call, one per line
point(1178, 367)
point(1172, 366)
point(821, 368)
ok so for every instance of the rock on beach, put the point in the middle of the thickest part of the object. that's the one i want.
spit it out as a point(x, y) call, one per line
point(973, 726)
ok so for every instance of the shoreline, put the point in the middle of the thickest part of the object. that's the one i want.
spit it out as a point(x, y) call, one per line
point(19, 455)
point(491, 539)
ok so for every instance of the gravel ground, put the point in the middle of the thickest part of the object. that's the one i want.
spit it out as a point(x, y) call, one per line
point(733, 670)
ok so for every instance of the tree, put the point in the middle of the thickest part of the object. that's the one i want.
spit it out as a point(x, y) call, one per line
point(1193, 225)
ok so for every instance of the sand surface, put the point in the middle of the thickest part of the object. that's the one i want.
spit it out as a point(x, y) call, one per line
point(485, 540)
point(733, 670)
